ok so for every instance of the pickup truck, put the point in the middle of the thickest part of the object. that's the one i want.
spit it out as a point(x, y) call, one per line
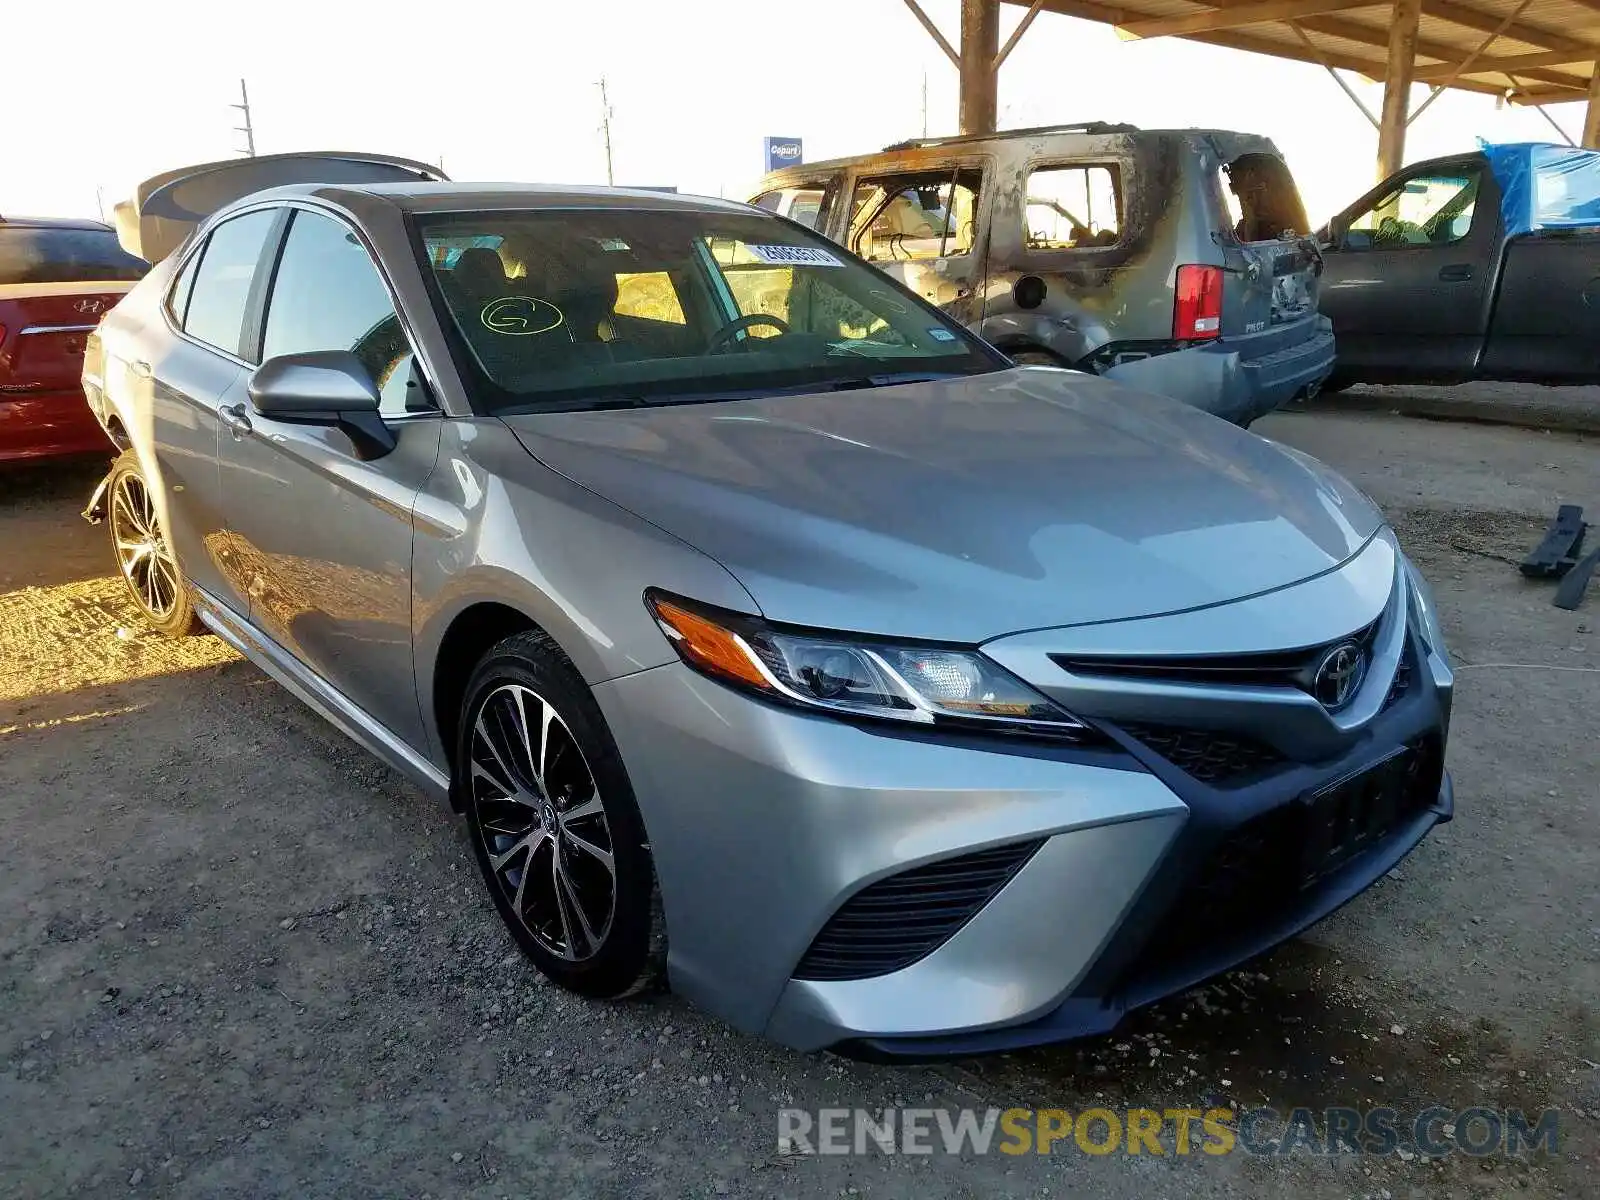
point(1477, 266)
point(1176, 261)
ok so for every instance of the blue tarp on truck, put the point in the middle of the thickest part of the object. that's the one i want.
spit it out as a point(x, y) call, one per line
point(1545, 186)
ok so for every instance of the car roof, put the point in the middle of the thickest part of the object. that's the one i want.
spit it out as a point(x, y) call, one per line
point(422, 196)
point(54, 223)
point(1232, 140)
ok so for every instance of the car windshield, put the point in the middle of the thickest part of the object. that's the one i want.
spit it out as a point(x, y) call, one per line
point(571, 308)
point(42, 254)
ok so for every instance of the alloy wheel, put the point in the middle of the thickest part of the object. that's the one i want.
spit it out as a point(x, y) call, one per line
point(547, 841)
point(143, 555)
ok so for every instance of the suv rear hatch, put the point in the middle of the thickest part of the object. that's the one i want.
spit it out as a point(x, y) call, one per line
point(1273, 263)
point(166, 208)
point(56, 279)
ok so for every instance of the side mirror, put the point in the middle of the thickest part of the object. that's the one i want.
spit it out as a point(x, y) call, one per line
point(323, 387)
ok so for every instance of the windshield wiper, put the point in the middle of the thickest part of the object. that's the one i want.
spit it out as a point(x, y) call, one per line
point(889, 379)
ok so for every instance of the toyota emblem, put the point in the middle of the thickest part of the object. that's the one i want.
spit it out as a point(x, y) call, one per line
point(1339, 675)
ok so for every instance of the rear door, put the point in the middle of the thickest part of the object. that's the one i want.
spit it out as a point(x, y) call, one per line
point(181, 375)
point(929, 230)
point(1410, 275)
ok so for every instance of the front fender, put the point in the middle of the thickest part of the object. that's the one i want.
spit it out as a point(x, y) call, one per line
point(494, 525)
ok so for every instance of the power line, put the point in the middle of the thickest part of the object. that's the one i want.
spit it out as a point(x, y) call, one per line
point(605, 129)
point(248, 129)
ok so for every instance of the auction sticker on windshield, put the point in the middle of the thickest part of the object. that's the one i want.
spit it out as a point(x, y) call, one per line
point(805, 256)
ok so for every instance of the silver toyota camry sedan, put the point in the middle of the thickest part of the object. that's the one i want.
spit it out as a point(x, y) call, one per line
point(775, 637)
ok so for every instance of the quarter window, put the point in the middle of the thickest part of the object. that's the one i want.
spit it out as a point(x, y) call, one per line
point(178, 300)
point(328, 295)
point(221, 290)
point(1073, 208)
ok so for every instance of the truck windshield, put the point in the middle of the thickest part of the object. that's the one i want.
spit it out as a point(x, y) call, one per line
point(570, 308)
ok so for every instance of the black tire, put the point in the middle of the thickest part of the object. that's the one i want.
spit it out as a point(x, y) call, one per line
point(154, 580)
point(1035, 358)
point(628, 955)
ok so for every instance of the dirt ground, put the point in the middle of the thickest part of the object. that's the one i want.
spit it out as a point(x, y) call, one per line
point(239, 957)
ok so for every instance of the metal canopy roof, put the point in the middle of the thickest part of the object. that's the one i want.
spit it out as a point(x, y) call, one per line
point(1529, 51)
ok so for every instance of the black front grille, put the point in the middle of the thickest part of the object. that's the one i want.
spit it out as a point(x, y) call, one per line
point(1278, 668)
point(1402, 679)
point(895, 922)
point(1259, 870)
point(1220, 759)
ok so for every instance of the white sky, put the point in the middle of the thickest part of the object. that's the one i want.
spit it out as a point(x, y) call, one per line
point(506, 90)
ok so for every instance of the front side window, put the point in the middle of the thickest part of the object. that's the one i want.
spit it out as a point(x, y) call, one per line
point(1073, 207)
point(221, 290)
point(576, 308)
point(62, 254)
point(328, 295)
point(1426, 210)
point(915, 218)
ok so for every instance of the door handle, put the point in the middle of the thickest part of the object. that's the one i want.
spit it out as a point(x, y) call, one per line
point(232, 416)
point(140, 368)
point(1456, 273)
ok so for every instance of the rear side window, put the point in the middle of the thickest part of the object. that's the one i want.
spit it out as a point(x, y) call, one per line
point(1074, 207)
point(221, 290)
point(328, 295)
point(31, 254)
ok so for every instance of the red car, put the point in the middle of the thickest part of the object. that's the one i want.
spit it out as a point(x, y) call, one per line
point(56, 278)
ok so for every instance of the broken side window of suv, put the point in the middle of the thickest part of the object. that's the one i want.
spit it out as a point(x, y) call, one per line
point(908, 218)
point(1073, 207)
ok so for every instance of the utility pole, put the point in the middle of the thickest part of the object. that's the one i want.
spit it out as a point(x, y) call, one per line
point(924, 104)
point(605, 129)
point(100, 201)
point(247, 128)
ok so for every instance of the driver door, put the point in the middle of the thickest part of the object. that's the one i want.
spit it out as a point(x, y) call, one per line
point(1408, 280)
point(927, 230)
point(321, 537)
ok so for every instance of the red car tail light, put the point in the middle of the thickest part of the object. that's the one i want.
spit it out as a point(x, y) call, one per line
point(1197, 310)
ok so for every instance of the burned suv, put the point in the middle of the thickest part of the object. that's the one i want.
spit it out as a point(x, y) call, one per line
point(1176, 261)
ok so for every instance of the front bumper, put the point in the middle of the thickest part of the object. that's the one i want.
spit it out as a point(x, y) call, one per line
point(1240, 378)
point(766, 822)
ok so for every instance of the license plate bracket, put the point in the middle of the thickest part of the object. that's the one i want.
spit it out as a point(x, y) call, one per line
point(1346, 818)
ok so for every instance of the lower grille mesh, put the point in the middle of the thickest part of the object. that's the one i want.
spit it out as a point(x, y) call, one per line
point(1221, 759)
point(893, 923)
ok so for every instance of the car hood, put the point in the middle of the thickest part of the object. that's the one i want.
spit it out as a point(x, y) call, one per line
point(967, 508)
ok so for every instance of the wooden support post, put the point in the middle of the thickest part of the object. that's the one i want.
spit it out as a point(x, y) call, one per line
point(1591, 120)
point(980, 43)
point(1397, 86)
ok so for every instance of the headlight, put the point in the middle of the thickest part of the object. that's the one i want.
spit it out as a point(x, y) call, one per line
point(1423, 611)
point(858, 676)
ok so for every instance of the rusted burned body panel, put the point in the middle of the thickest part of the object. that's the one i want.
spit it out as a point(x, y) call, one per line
point(1106, 302)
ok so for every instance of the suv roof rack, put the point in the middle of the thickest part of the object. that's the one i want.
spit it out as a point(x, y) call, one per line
point(1091, 127)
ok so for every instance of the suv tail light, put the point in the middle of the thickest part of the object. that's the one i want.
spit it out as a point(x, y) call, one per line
point(1197, 311)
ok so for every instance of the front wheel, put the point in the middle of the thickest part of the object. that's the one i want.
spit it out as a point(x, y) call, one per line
point(144, 555)
point(554, 824)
